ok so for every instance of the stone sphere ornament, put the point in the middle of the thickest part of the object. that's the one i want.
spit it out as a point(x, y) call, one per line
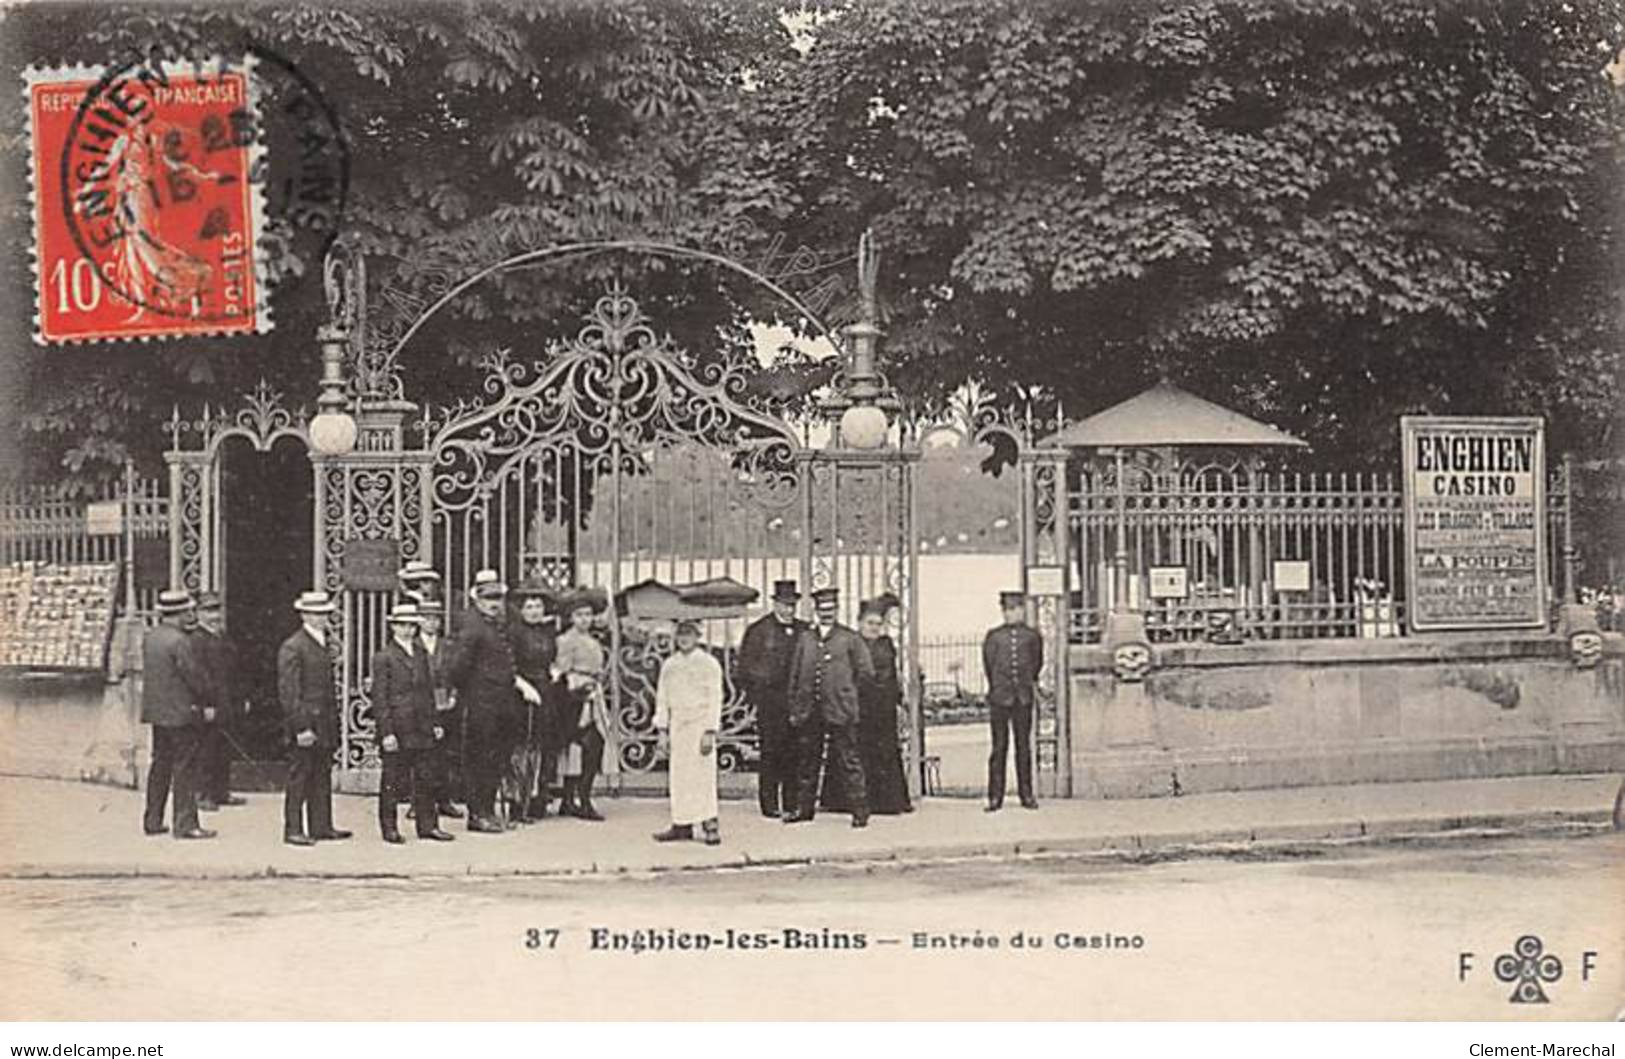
point(863, 426)
point(333, 433)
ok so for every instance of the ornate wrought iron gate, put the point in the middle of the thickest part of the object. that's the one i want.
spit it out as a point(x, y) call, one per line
point(605, 460)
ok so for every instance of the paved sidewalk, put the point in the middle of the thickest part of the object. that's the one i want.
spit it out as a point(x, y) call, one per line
point(50, 828)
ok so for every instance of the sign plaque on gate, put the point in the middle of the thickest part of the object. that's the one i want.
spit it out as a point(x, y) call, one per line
point(1475, 522)
point(371, 565)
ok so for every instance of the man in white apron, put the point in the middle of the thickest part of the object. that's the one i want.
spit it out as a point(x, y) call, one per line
point(688, 713)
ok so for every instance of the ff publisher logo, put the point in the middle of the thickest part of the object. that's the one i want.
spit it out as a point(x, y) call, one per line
point(1528, 968)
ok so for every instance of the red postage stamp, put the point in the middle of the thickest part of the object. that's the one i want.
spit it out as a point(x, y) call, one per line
point(148, 203)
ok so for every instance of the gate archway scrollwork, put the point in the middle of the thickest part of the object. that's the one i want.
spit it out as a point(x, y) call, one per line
point(612, 459)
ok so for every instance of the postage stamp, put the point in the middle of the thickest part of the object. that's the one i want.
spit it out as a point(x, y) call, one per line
point(147, 216)
point(157, 205)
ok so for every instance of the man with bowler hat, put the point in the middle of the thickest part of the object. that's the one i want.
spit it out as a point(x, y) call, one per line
point(408, 727)
point(310, 714)
point(764, 669)
point(219, 661)
point(174, 700)
point(1012, 655)
point(829, 663)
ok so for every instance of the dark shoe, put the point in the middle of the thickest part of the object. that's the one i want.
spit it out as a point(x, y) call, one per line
point(675, 833)
point(449, 811)
point(299, 840)
point(334, 835)
point(588, 812)
point(232, 799)
point(992, 807)
point(1029, 803)
point(394, 838)
point(207, 805)
point(713, 833)
point(860, 821)
point(798, 818)
point(196, 832)
point(436, 835)
point(484, 825)
point(161, 829)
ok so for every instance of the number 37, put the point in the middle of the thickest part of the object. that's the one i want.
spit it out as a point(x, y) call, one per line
point(542, 938)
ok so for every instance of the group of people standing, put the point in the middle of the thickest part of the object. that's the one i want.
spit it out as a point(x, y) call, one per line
point(826, 701)
point(513, 711)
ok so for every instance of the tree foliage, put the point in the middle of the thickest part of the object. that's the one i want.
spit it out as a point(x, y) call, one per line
point(1328, 213)
point(1323, 212)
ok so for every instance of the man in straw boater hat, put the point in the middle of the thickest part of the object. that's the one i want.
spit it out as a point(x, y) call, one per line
point(688, 714)
point(535, 647)
point(829, 664)
point(1012, 654)
point(764, 670)
point(418, 582)
point(174, 700)
point(480, 668)
point(581, 665)
point(408, 727)
point(310, 714)
point(219, 661)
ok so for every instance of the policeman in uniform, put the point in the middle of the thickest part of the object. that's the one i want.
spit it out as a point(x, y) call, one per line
point(1012, 655)
point(764, 670)
point(829, 664)
point(480, 668)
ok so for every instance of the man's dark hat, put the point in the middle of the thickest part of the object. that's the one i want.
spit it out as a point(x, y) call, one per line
point(826, 597)
point(1012, 598)
point(786, 592)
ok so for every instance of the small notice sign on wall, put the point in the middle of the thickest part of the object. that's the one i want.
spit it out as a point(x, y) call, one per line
point(371, 565)
point(1291, 575)
point(1169, 582)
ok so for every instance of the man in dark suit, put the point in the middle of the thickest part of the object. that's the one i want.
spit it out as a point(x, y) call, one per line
point(480, 667)
point(408, 727)
point(448, 755)
point(1012, 655)
point(310, 713)
point(174, 700)
point(829, 662)
point(219, 661)
point(764, 673)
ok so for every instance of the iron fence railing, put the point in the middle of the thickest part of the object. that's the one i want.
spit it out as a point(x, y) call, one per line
point(1230, 531)
point(127, 521)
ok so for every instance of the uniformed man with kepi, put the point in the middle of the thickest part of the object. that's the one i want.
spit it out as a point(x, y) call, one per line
point(480, 667)
point(310, 715)
point(829, 664)
point(764, 669)
point(1012, 655)
point(174, 700)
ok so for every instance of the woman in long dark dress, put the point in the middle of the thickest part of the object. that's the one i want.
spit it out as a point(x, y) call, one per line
point(877, 718)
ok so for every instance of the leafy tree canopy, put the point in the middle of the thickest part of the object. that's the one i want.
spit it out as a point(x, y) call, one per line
point(1323, 212)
